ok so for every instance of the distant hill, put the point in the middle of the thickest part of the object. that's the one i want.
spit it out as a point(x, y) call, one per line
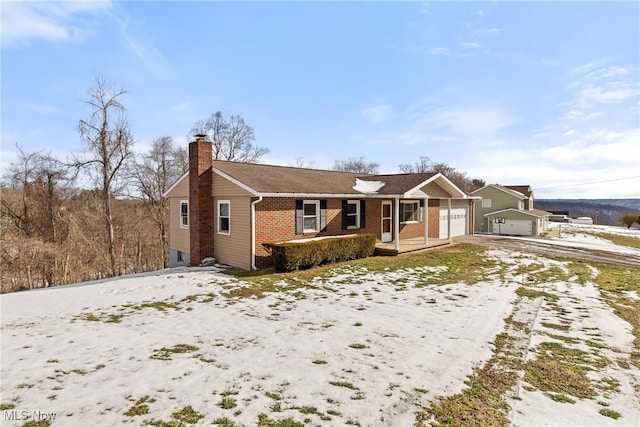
point(603, 211)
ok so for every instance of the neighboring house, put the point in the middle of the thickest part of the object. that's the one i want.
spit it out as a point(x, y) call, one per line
point(227, 210)
point(508, 210)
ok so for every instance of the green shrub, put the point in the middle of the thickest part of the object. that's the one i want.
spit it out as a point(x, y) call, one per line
point(290, 256)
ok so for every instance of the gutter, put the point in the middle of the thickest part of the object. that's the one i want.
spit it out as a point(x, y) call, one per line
point(253, 232)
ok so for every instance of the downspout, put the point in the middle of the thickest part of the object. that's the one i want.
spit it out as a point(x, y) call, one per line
point(253, 232)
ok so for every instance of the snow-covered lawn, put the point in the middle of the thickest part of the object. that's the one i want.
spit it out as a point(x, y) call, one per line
point(352, 347)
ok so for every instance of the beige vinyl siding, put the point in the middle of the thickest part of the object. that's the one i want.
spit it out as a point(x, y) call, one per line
point(178, 236)
point(225, 189)
point(435, 191)
point(499, 200)
point(234, 248)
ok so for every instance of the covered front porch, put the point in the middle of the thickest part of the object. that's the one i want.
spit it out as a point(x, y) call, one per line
point(408, 245)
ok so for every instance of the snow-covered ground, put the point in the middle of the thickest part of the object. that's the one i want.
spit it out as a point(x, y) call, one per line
point(357, 347)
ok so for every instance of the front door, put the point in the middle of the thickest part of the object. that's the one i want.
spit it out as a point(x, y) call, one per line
point(387, 222)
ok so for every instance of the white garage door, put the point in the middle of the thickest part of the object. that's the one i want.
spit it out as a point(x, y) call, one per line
point(458, 222)
point(516, 227)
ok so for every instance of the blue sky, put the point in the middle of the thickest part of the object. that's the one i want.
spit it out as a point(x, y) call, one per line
point(540, 93)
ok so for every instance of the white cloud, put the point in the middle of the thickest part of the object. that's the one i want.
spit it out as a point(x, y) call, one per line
point(562, 170)
point(182, 107)
point(43, 109)
point(468, 121)
point(479, 12)
point(593, 85)
point(495, 30)
point(474, 45)
point(377, 114)
point(143, 47)
point(570, 132)
point(448, 126)
point(51, 21)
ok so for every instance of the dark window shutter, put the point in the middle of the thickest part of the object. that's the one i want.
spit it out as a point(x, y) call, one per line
point(323, 215)
point(363, 213)
point(344, 214)
point(299, 217)
point(422, 214)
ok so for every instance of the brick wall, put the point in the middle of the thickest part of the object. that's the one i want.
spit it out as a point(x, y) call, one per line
point(201, 213)
point(276, 221)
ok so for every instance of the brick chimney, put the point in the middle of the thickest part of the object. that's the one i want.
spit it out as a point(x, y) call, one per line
point(200, 200)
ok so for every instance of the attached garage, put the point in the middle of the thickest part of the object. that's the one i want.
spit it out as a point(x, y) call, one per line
point(458, 220)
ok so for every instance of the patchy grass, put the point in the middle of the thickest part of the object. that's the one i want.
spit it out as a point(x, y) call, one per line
point(344, 384)
point(265, 421)
point(357, 346)
point(465, 263)
point(140, 407)
point(560, 370)
point(616, 239)
point(165, 353)
point(227, 403)
point(534, 293)
point(559, 397)
point(610, 413)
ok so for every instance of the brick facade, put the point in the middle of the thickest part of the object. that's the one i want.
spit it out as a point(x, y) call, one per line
point(201, 213)
point(276, 221)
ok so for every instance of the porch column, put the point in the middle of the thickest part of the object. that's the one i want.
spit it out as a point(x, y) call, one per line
point(396, 224)
point(425, 218)
point(449, 221)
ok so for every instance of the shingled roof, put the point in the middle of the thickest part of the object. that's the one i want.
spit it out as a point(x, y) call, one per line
point(283, 179)
point(524, 189)
point(268, 179)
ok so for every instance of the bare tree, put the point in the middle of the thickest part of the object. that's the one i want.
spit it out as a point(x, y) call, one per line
point(459, 178)
point(422, 165)
point(108, 142)
point(302, 163)
point(232, 140)
point(357, 165)
point(31, 218)
point(152, 176)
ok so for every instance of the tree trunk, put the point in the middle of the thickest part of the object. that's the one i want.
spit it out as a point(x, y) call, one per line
point(110, 235)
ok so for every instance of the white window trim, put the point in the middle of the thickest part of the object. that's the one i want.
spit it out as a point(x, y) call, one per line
point(317, 216)
point(357, 214)
point(225, 232)
point(417, 210)
point(182, 224)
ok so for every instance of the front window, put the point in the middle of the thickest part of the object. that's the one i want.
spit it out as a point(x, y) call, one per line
point(353, 214)
point(486, 203)
point(184, 214)
point(311, 216)
point(410, 211)
point(224, 217)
